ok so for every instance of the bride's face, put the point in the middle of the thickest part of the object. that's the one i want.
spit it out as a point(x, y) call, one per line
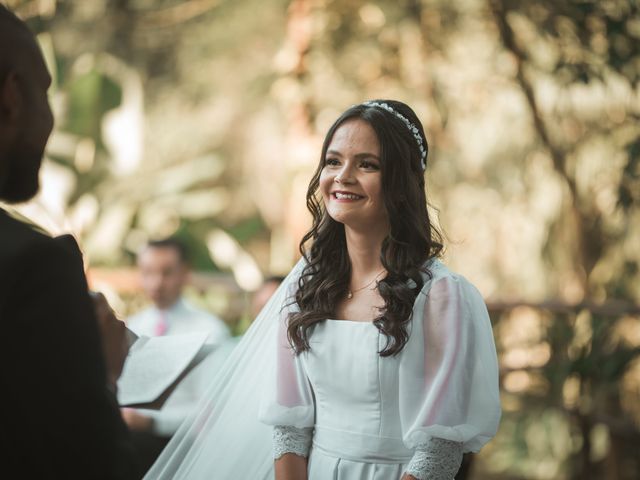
point(351, 181)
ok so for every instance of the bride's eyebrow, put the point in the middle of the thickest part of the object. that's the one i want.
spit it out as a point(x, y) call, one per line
point(363, 156)
point(358, 156)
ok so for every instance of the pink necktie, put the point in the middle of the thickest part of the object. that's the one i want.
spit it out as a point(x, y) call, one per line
point(161, 324)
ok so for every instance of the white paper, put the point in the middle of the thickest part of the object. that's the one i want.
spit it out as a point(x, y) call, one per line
point(154, 363)
point(131, 337)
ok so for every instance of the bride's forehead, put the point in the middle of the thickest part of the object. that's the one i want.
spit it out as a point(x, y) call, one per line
point(354, 133)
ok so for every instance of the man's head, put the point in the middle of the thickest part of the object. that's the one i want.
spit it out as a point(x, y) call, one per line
point(164, 271)
point(264, 293)
point(25, 116)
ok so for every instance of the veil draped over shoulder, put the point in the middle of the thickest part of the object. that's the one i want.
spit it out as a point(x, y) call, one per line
point(447, 386)
point(223, 438)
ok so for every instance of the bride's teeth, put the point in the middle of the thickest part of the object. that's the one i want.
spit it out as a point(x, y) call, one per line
point(346, 196)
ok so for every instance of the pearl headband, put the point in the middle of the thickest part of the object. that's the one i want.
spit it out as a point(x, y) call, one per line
point(412, 128)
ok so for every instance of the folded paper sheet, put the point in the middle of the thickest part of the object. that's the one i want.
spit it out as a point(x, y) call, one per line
point(155, 363)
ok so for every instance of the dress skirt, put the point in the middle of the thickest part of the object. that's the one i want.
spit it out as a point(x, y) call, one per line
point(323, 466)
point(342, 455)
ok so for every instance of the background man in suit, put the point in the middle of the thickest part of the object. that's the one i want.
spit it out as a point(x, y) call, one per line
point(164, 274)
point(264, 293)
point(62, 352)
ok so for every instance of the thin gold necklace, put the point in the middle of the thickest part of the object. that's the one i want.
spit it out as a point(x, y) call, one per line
point(351, 292)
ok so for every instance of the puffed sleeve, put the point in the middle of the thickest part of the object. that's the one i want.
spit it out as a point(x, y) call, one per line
point(449, 370)
point(288, 401)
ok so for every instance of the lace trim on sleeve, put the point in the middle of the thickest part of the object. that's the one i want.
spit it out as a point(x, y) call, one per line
point(291, 440)
point(437, 460)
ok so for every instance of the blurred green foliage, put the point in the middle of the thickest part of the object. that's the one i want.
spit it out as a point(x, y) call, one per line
point(197, 117)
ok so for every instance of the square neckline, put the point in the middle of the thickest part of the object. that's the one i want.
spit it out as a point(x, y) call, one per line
point(341, 320)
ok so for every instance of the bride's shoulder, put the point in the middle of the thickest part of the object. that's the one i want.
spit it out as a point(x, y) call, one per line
point(435, 270)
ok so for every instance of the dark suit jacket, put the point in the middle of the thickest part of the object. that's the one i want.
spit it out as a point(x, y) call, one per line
point(58, 419)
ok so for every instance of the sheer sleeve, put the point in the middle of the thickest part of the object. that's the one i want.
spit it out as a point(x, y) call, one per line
point(449, 370)
point(288, 400)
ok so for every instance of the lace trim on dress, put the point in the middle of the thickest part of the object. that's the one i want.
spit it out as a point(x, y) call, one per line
point(438, 459)
point(291, 440)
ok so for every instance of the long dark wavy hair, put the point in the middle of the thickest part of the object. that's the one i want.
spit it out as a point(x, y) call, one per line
point(412, 238)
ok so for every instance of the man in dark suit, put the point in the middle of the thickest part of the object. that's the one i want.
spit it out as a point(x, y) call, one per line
point(61, 351)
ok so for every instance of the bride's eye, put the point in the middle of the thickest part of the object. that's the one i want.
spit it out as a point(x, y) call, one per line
point(331, 162)
point(368, 165)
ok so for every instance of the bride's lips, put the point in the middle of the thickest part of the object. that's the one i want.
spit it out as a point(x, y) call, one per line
point(345, 196)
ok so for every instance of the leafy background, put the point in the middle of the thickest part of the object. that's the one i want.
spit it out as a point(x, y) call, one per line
point(204, 118)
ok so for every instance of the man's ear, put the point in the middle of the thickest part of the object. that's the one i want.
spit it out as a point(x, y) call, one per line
point(186, 273)
point(11, 98)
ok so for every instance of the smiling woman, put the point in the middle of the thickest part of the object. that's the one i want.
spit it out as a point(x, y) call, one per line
point(350, 180)
point(373, 360)
point(371, 217)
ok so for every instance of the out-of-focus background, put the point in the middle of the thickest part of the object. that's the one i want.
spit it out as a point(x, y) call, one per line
point(204, 119)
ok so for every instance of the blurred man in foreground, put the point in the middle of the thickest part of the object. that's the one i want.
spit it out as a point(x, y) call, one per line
point(62, 351)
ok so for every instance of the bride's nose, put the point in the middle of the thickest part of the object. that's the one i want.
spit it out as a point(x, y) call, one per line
point(344, 176)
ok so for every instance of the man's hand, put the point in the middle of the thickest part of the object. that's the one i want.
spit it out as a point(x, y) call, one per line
point(114, 339)
point(136, 421)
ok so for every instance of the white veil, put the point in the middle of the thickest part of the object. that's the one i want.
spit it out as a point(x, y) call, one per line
point(223, 438)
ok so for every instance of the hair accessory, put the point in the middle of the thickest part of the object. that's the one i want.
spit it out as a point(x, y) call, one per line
point(412, 128)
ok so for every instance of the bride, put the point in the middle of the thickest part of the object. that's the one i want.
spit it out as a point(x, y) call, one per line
point(372, 360)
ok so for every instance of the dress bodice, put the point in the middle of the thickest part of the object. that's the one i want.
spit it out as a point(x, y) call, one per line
point(355, 389)
point(380, 414)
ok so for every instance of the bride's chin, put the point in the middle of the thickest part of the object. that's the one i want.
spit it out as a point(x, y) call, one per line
point(358, 221)
point(341, 217)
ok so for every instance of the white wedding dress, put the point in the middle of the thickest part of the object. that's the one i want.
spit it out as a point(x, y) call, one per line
point(357, 433)
point(369, 414)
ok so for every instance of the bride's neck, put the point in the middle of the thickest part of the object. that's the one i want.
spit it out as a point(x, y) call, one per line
point(364, 251)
